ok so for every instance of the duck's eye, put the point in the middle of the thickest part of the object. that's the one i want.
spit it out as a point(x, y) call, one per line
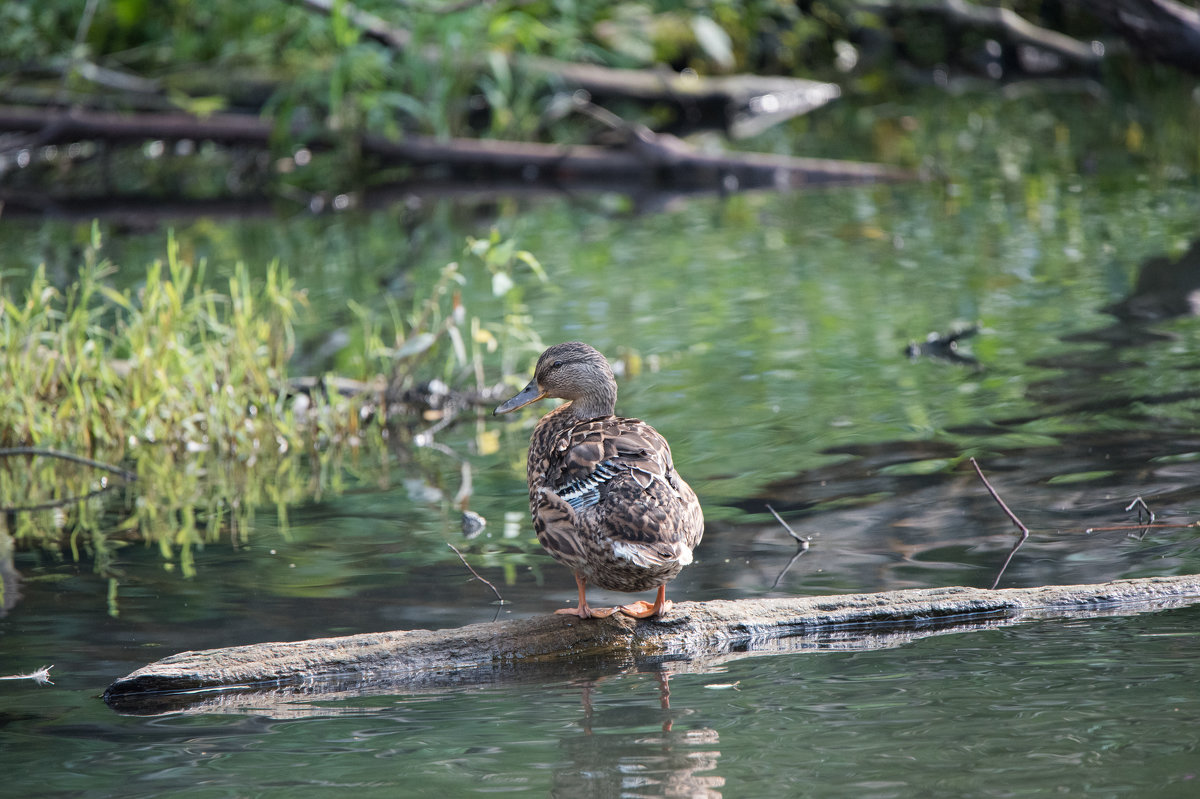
point(556, 365)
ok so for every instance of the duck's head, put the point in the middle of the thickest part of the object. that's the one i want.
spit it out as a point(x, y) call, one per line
point(572, 371)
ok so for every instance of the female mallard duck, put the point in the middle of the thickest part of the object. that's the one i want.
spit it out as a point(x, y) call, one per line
point(606, 500)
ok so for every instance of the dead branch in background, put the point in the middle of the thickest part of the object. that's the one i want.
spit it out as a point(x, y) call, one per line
point(105, 486)
point(1002, 23)
point(124, 474)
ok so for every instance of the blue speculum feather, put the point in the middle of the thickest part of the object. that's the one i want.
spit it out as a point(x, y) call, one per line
point(584, 492)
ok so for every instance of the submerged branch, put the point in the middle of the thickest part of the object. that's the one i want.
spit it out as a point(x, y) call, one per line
point(802, 545)
point(695, 636)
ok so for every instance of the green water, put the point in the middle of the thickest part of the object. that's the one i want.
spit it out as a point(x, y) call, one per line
point(771, 333)
point(1099, 707)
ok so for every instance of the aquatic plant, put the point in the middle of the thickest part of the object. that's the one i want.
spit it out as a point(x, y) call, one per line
point(186, 386)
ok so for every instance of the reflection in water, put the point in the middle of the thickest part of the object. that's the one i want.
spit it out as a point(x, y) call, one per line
point(1164, 289)
point(618, 754)
point(1103, 428)
point(945, 347)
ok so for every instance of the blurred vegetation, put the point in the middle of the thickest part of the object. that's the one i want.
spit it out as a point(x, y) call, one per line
point(461, 74)
point(188, 387)
point(180, 371)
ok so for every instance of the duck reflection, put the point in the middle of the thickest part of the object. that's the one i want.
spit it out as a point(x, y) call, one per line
point(1164, 289)
point(631, 748)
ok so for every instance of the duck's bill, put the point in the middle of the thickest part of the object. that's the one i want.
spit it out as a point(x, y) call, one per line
point(531, 393)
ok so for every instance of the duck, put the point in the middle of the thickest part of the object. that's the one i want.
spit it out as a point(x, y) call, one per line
point(605, 498)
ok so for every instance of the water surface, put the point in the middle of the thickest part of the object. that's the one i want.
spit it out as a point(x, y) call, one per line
point(766, 337)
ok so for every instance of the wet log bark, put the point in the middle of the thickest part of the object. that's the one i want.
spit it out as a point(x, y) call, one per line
point(698, 634)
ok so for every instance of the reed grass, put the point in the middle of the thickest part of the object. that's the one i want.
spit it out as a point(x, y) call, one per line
point(187, 387)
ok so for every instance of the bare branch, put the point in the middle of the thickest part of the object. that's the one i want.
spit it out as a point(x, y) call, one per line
point(477, 577)
point(1011, 515)
point(791, 532)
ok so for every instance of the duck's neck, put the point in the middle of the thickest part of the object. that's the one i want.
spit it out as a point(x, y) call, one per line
point(601, 402)
point(580, 409)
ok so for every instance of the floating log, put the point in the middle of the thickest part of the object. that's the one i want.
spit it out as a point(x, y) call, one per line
point(694, 636)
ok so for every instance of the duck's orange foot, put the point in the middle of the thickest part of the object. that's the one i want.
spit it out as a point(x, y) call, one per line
point(645, 610)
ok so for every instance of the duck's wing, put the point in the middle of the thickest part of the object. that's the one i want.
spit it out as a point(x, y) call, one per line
point(601, 456)
point(614, 479)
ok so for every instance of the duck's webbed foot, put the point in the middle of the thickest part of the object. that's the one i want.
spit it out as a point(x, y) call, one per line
point(645, 610)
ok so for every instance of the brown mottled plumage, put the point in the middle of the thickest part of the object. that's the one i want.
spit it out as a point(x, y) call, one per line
point(605, 497)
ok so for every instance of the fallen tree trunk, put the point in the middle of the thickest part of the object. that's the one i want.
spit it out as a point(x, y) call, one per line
point(699, 634)
point(648, 166)
point(646, 156)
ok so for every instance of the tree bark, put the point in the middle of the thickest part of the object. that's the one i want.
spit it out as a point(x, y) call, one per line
point(694, 636)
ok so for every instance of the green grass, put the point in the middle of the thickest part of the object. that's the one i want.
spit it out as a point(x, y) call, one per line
point(187, 388)
point(173, 365)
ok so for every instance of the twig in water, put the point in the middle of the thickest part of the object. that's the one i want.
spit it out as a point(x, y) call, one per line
point(41, 676)
point(789, 565)
point(1141, 505)
point(1011, 515)
point(803, 544)
point(477, 577)
point(803, 541)
point(1160, 526)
